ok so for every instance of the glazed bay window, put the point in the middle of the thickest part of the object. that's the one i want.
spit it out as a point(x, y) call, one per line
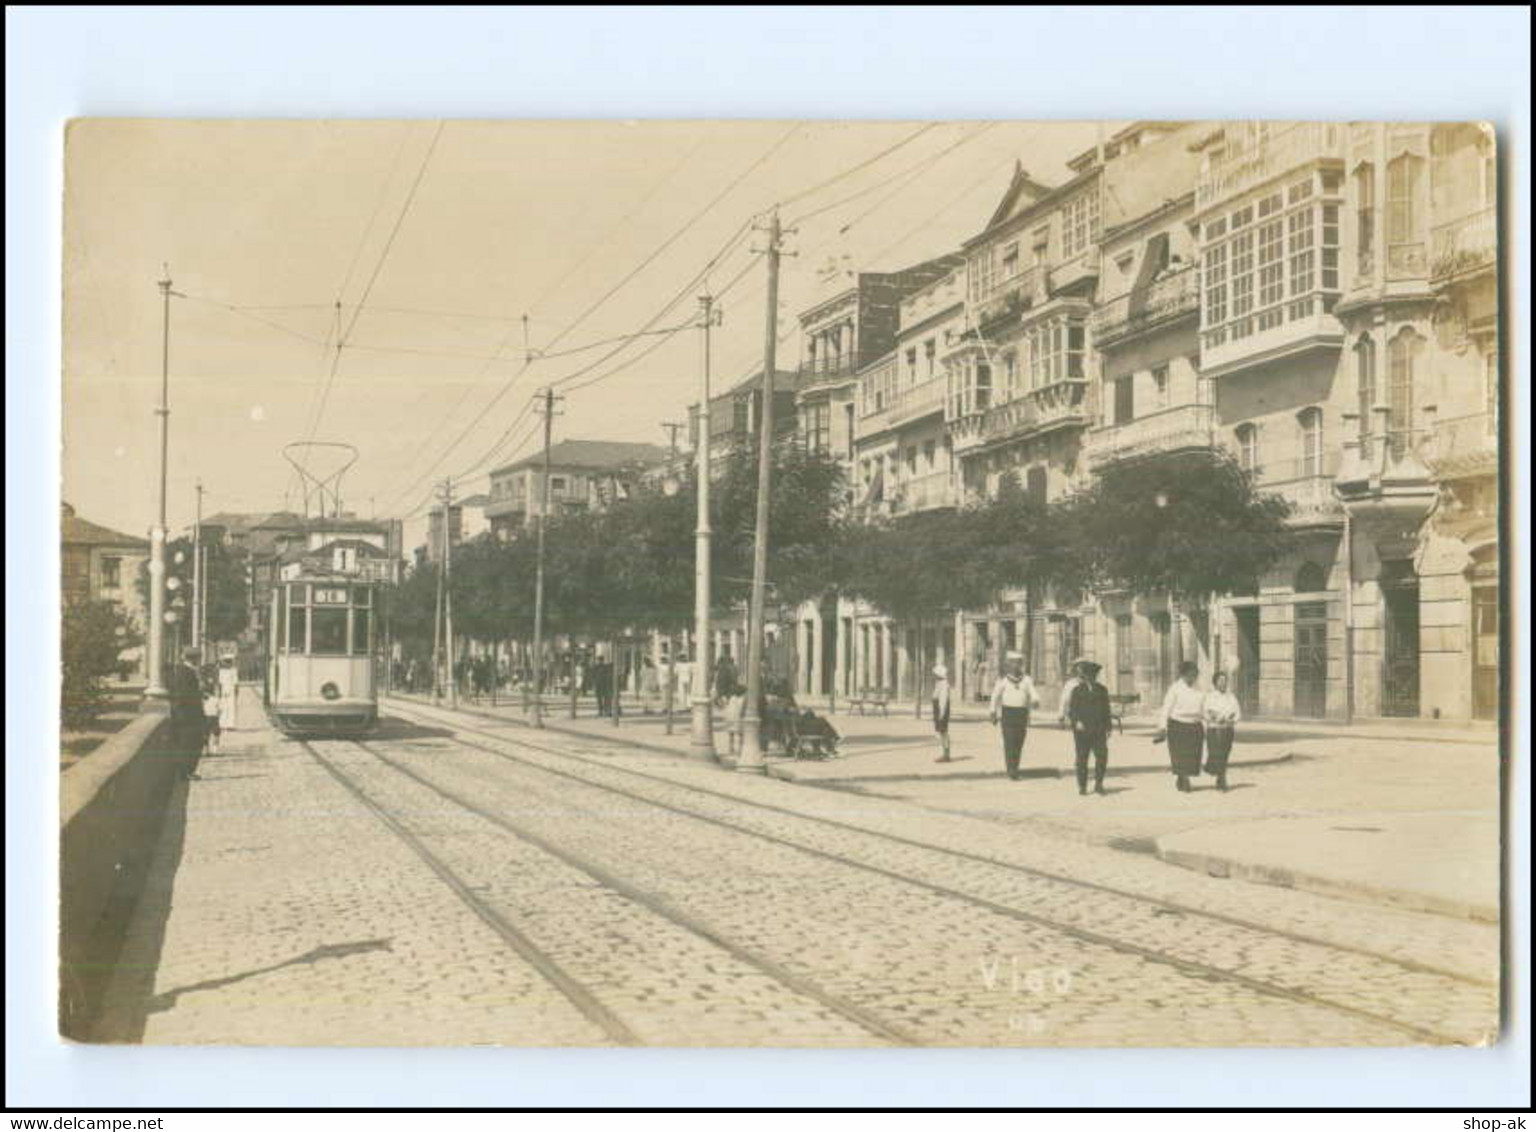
point(1080, 223)
point(970, 387)
point(1056, 348)
point(983, 275)
point(818, 427)
point(1269, 263)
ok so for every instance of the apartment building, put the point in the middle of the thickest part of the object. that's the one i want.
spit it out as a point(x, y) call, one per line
point(584, 475)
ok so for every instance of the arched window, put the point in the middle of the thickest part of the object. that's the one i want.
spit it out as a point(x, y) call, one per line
point(1248, 448)
point(1310, 423)
point(1365, 389)
point(1365, 216)
point(1402, 359)
point(1310, 579)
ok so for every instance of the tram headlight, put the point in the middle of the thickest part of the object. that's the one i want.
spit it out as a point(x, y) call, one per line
point(330, 691)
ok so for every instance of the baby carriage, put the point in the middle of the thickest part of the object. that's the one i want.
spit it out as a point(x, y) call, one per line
point(809, 736)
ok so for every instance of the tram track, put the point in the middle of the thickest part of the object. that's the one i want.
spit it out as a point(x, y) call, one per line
point(582, 997)
point(1159, 905)
point(1183, 964)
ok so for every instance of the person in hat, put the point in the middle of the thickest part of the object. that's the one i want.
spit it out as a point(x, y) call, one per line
point(940, 707)
point(1089, 714)
point(1184, 725)
point(1012, 698)
point(1074, 678)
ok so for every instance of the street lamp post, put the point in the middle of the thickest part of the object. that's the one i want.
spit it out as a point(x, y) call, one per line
point(155, 691)
point(701, 740)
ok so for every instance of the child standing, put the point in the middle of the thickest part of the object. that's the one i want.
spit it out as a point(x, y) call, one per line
point(940, 707)
point(211, 705)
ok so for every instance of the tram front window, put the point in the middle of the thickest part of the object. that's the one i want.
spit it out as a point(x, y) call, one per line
point(360, 632)
point(329, 632)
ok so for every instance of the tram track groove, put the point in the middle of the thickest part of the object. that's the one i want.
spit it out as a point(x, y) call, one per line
point(579, 996)
point(1157, 904)
point(1192, 967)
point(656, 905)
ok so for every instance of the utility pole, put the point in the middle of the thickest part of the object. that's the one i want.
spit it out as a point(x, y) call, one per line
point(155, 691)
point(548, 409)
point(672, 428)
point(453, 684)
point(701, 741)
point(751, 759)
point(437, 625)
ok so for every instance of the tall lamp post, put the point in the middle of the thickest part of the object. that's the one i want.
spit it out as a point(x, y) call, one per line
point(155, 692)
point(701, 739)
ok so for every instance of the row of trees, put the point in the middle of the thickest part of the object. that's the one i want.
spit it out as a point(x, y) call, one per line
point(1189, 524)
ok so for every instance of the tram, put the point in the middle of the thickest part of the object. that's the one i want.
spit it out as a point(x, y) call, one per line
point(322, 664)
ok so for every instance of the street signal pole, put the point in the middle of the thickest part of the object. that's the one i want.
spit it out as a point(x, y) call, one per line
point(548, 409)
point(751, 759)
point(155, 690)
point(199, 572)
point(701, 740)
point(447, 576)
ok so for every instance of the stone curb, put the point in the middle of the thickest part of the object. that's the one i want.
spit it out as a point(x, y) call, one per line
point(1230, 868)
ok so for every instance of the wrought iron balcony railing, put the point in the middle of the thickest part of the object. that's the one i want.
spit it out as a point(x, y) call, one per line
point(1169, 297)
point(1464, 246)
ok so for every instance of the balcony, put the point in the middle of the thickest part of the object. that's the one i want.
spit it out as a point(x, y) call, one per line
point(906, 406)
point(1010, 298)
point(813, 371)
point(1170, 430)
point(1464, 247)
point(923, 493)
point(1292, 327)
point(1136, 312)
point(1291, 147)
point(1307, 485)
point(1061, 404)
point(1464, 447)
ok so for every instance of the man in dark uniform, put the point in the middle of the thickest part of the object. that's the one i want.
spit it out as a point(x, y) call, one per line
point(1088, 711)
point(185, 690)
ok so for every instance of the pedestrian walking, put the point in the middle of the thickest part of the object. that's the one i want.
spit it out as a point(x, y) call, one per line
point(212, 725)
point(229, 693)
point(650, 686)
point(1184, 725)
point(684, 676)
point(726, 676)
point(1074, 678)
point(188, 725)
point(1089, 714)
point(1012, 699)
point(940, 706)
point(1222, 713)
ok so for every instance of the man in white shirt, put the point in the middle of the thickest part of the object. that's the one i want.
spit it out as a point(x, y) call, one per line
point(1074, 678)
point(1012, 698)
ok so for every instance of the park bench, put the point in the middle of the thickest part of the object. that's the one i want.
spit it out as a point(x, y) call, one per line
point(876, 700)
point(1118, 705)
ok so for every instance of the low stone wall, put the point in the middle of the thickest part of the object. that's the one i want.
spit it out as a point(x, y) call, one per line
point(112, 808)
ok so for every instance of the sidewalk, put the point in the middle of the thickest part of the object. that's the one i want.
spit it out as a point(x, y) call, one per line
point(1362, 813)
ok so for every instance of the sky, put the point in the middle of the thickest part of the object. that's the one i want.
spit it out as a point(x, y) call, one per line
point(437, 238)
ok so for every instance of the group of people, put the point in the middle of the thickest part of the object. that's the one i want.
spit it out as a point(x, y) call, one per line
point(1193, 722)
point(200, 696)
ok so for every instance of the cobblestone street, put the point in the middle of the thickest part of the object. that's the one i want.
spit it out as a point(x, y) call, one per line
point(454, 880)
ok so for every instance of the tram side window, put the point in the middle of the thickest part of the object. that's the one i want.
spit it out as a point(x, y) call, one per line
point(329, 632)
point(360, 632)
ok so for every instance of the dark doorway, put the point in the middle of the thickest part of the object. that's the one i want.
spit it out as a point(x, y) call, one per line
point(1400, 665)
point(828, 647)
point(1485, 652)
point(1311, 660)
point(1247, 683)
point(1125, 657)
point(1162, 644)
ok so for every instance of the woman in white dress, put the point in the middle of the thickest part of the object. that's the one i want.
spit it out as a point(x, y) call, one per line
point(1222, 712)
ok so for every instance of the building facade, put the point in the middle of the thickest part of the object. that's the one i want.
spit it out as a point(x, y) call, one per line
point(100, 564)
point(584, 475)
